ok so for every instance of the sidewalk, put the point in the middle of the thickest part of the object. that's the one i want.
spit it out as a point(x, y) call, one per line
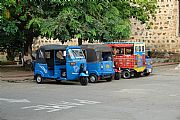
point(14, 74)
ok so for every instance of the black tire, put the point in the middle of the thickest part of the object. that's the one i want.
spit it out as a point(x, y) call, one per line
point(39, 79)
point(84, 81)
point(93, 78)
point(137, 74)
point(109, 79)
point(117, 76)
point(146, 74)
point(126, 74)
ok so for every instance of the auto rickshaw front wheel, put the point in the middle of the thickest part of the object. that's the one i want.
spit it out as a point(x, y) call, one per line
point(84, 80)
point(146, 74)
point(137, 74)
point(39, 79)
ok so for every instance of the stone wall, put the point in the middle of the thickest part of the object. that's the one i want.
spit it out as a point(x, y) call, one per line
point(164, 33)
point(37, 42)
point(43, 41)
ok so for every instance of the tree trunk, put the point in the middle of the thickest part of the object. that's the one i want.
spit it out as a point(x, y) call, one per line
point(10, 55)
point(79, 41)
point(28, 47)
point(28, 43)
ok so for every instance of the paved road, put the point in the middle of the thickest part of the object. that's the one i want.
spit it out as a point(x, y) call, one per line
point(156, 97)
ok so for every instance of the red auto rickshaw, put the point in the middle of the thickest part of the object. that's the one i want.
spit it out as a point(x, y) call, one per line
point(129, 57)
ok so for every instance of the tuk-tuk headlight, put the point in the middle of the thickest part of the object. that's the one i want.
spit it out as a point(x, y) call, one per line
point(101, 66)
point(119, 68)
point(86, 72)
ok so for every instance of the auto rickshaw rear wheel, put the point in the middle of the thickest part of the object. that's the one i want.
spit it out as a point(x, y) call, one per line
point(126, 74)
point(93, 78)
point(117, 76)
point(39, 79)
point(84, 80)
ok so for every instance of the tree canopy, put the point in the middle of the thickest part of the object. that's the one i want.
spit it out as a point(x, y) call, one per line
point(104, 20)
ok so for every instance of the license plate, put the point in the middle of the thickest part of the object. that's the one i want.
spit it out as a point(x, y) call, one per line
point(107, 66)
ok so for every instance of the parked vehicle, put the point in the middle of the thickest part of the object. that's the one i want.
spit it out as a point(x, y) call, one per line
point(130, 57)
point(149, 68)
point(99, 62)
point(60, 62)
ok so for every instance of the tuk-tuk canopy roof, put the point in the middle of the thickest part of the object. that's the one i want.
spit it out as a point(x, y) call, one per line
point(120, 45)
point(97, 47)
point(123, 44)
point(53, 47)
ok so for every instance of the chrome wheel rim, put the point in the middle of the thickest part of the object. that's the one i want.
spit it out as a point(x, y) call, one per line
point(126, 75)
point(38, 79)
point(92, 79)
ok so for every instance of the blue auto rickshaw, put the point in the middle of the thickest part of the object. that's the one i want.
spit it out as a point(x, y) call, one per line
point(99, 62)
point(60, 62)
point(149, 68)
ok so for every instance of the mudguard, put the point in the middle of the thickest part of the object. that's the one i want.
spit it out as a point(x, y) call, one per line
point(128, 70)
point(94, 72)
point(83, 75)
point(38, 72)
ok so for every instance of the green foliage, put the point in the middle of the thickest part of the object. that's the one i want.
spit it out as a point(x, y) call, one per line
point(104, 20)
point(14, 16)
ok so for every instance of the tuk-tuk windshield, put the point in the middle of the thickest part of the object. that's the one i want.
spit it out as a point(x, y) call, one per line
point(76, 53)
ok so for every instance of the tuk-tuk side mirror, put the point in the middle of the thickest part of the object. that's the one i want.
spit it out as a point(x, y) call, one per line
point(149, 53)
